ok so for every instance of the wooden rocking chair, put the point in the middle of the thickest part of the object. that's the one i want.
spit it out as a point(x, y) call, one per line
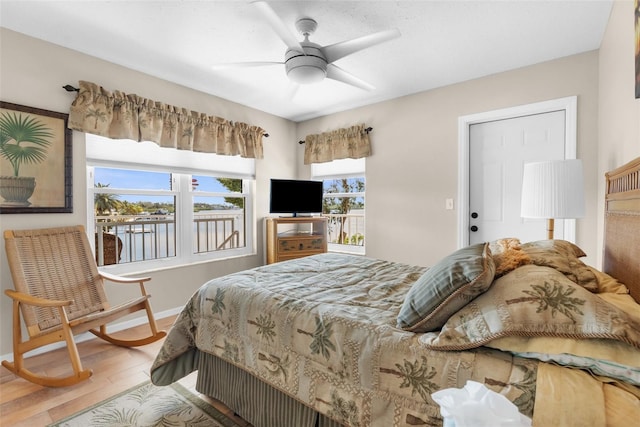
point(60, 292)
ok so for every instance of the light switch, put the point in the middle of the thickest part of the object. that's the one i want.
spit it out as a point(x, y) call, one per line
point(449, 204)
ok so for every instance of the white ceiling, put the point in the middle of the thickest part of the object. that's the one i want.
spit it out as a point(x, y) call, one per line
point(442, 42)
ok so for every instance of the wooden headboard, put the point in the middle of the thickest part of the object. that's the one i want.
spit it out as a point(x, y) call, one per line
point(622, 226)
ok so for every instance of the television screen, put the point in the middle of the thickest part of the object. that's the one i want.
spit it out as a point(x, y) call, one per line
point(290, 196)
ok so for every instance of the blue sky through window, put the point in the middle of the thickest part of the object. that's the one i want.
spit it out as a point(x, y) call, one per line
point(145, 180)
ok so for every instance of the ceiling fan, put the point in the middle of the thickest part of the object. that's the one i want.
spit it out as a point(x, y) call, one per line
point(306, 62)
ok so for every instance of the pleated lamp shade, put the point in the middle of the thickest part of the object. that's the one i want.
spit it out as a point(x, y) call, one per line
point(553, 189)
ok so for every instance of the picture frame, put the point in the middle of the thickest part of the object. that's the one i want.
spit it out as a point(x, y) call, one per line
point(35, 160)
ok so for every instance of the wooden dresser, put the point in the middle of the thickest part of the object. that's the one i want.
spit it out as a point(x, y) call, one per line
point(295, 237)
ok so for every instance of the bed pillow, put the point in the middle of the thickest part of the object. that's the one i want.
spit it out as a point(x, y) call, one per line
point(534, 301)
point(447, 287)
point(564, 257)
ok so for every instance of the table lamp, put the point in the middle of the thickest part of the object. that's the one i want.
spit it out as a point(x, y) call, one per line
point(553, 189)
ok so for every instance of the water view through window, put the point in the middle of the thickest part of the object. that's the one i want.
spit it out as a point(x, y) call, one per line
point(142, 212)
point(143, 215)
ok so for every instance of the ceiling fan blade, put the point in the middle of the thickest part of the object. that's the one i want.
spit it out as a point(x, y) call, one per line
point(336, 73)
point(278, 26)
point(340, 50)
point(228, 65)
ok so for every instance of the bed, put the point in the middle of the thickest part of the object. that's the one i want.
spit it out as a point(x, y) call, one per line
point(335, 339)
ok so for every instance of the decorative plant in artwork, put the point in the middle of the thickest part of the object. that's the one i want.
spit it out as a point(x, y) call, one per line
point(23, 139)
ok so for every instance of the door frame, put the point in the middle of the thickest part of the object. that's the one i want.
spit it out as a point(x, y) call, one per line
point(568, 104)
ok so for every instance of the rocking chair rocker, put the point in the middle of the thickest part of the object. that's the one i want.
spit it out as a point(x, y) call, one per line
point(60, 293)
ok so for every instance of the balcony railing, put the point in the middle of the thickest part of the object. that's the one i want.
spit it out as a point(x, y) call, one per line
point(346, 229)
point(214, 233)
point(131, 238)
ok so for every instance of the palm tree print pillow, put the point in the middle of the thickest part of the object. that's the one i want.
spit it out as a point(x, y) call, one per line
point(534, 301)
point(563, 256)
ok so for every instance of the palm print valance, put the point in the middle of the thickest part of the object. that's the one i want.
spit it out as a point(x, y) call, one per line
point(127, 116)
point(343, 143)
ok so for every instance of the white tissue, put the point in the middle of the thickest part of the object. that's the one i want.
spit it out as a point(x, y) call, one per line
point(475, 405)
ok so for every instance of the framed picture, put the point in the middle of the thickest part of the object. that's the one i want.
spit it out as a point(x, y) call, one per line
point(35, 161)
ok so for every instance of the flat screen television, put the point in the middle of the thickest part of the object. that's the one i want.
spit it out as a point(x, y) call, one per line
point(295, 197)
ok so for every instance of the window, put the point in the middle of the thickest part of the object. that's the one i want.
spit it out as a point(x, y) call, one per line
point(218, 213)
point(148, 216)
point(343, 203)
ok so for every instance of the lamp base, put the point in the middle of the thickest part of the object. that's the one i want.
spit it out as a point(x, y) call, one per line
point(550, 229)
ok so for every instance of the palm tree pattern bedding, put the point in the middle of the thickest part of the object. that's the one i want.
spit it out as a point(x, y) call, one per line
point(322, 329)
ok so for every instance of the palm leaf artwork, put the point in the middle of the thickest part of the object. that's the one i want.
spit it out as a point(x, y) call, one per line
point(187, 133)
point(141, 394)
point(527, 385)
point(417, 375)
point(166, 411)
point(553, 296)
point(122, 113)
point(115, 417)
point(172, 411)
point(166, 404)
point(265, 326)
point(218, 302)
point(231, 351)
point(96, 114)
point(147, 405)
point(343, 410)
point(321, 343)
point(30, 137)
point(170, 126)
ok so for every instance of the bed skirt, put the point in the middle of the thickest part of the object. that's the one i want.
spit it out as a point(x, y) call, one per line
point(252, 399)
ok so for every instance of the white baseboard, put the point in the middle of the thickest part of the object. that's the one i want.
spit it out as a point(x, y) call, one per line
point(88, 335)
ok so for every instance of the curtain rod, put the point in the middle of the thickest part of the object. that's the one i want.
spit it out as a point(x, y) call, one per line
point(70, 88)
point(369, 129)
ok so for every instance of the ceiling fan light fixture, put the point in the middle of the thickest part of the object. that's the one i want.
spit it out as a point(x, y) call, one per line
point(306, 74)
point(307, 62)
point(307, 68)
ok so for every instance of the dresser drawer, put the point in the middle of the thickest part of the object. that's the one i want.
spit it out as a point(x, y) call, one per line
point(295, 237)
point(297, 244)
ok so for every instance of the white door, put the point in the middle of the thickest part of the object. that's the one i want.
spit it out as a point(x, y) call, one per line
point(498, 150)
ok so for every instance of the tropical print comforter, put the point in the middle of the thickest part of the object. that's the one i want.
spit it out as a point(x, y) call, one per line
point(322, 329)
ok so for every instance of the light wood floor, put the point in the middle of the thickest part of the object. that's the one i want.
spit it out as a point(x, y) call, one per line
point(115, 369)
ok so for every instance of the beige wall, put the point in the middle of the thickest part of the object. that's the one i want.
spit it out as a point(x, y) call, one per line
point(33, 72)
point(618, 110)
point(414, 166)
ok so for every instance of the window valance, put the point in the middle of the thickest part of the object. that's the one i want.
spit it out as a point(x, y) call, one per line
point(118, 115)
point(345, 143)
